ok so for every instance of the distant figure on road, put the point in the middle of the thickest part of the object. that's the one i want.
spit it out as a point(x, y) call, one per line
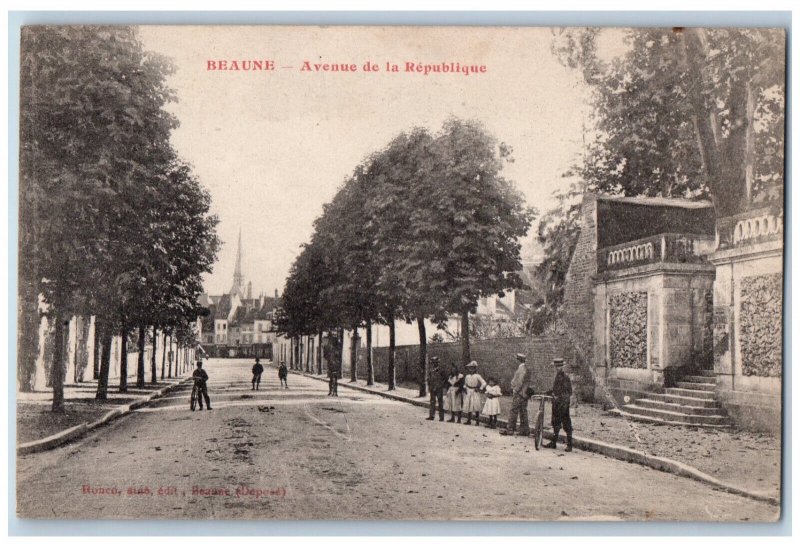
point(520, 386)
point(257, 371)
point(333, 380)
point(200, 379)
point(437, 379)
point(561, 392)
point(283, 374)
point(491, 408)
point(453, 399)
point(473, 384)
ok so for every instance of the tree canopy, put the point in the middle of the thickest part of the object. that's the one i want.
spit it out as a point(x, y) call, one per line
point(112, 222)
point(689, 113)
point(421, 230)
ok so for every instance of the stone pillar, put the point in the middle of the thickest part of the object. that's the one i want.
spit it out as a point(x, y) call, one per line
point(747, 329)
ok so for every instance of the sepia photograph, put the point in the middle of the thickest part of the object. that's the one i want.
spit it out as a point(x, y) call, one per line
point(400, 273)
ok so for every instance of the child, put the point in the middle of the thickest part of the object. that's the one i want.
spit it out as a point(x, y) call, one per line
point(453, 397)
point(282, 374)
point(492, 406)
point(473, 384)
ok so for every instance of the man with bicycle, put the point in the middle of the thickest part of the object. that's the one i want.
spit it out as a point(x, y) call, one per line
point(200, 379)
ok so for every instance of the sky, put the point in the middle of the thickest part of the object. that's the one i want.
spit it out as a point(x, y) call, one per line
point(272, 147)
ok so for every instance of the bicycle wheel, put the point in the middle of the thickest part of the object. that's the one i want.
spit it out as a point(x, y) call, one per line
point(537, 441)
point(193, 400)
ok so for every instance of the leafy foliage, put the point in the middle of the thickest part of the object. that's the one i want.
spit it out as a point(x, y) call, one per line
point(690, 113)
point(112, 223)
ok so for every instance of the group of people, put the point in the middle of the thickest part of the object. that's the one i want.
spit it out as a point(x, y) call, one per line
point(469, 395)
point(258, 370)
point(463, 395)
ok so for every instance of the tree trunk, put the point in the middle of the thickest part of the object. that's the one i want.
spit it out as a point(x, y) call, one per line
point(163, 354)
point(465, 355)
point(123, 360)
point(750, 144)
point(29, 321)
point(169, 358)
point(306, 355)
point(291, 353)
point(423, 356)
point(58, 370)
point(82, 353)
point(105, 358)
point(319, 353)
point(96, 351)
point(370, 367)
point(341, 353)
point(726, 185)
point(140, 370)
point(153, 363)
point(354, 356)
point(392, 354)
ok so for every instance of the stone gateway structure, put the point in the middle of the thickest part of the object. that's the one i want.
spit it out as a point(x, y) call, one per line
point(676, 316)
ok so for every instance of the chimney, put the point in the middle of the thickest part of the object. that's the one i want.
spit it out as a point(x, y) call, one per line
point(276, 294)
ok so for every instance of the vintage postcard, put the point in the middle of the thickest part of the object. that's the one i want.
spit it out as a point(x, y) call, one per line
point(400, 273)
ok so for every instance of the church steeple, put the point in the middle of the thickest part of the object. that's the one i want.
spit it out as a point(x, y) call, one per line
point(238, 276)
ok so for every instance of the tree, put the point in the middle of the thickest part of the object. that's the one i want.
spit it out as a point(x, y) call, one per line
point(681, 113)
point(97, 170)
point(480, 219)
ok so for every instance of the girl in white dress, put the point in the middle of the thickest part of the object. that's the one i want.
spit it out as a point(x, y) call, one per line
point(474, 384)
point(492, 406)
point(453, 398)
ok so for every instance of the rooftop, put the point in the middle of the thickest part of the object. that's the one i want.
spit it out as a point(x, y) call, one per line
point(658, 202)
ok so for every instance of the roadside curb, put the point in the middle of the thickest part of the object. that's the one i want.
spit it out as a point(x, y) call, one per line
point(68, 435)
point(606, 449)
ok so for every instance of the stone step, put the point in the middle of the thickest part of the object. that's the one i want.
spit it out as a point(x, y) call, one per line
point(676, 407)
point(702, 386)
point(667, 421)
point(683, 400)
point(700, 379)
point(680, 417)
point(695, 393)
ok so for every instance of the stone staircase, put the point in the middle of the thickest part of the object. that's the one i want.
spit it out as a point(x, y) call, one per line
point(691, 403)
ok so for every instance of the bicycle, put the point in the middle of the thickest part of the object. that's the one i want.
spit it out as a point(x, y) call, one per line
point(538, 422)
point(195, 397)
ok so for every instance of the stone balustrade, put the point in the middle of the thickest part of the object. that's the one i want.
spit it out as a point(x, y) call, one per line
point(654, 249)
point(751, 227)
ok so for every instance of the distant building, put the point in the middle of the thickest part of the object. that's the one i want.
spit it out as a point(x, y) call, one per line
point(237, 324)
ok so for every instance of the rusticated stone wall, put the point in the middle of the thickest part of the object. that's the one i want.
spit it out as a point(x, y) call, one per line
point(760, 324)
point(628, 329)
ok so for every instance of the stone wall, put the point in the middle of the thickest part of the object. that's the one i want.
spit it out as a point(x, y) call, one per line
point(760, 330)
point(628, 329)
point(578, 305)
point(495, 359)
point(748, 332)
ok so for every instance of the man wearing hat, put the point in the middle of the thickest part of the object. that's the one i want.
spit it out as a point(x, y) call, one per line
point(520, 385)
point(437, 378)
point(561, 392)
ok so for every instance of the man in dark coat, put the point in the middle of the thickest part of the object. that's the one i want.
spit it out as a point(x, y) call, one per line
point(258, 370)
point(561, 392)
point(437, 378)
point(333, 380)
